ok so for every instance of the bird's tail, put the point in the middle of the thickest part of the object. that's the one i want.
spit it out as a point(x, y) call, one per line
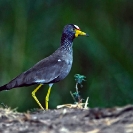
point(3, 88)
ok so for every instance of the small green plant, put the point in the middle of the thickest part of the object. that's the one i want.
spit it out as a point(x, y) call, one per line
point(79, 79)
point(3, 105)
point(76, 97)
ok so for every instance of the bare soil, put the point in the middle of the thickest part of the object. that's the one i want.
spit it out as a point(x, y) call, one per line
point(95, 120)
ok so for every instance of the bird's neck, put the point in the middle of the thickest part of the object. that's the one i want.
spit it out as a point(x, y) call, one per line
point(67, 43)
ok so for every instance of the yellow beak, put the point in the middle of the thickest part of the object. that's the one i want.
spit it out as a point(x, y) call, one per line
point(80, 33)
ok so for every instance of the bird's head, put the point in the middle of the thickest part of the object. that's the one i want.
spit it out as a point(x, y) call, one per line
point(73, 31)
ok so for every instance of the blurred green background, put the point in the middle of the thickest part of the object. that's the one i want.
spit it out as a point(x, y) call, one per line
point(31, 30)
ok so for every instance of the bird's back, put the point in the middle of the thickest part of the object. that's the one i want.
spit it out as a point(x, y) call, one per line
point(52, 68)
point(49, 70)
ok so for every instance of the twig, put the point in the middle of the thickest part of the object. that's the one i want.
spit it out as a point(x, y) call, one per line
point(72, 96)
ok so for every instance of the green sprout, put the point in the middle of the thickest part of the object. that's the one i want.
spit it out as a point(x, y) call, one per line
point(3, 105)
point(79, 79)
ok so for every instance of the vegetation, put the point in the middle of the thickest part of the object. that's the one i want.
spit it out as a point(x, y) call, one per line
point(76, 96)
point(31, 30)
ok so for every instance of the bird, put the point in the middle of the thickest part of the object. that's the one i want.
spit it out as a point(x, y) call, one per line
point(51, 69)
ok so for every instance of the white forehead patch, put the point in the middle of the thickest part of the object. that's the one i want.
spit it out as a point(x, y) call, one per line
point(77, 27)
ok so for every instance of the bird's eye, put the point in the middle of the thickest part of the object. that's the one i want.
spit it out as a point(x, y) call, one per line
point(72, 29)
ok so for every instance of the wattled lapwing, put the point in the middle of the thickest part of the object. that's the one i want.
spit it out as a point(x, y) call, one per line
point(51, 69)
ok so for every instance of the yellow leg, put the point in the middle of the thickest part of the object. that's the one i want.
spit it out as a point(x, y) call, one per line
point(47, 96)
point(34, 96)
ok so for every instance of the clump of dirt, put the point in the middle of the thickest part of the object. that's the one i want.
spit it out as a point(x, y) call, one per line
point(96, 120)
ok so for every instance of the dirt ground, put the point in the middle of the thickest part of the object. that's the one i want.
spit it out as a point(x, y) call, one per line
point(95, 120)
